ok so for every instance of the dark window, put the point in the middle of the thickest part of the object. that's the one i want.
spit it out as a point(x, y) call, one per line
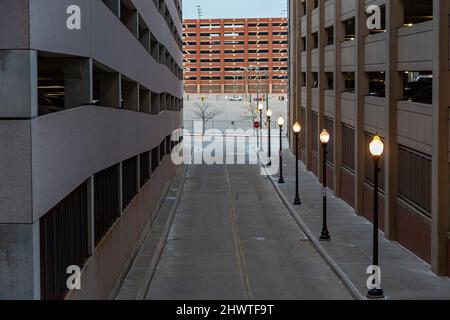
point(348, 147)
point(162, 150)
point(63, 242)
point(144, 165)
point(129, 181)
point(414, 179)
point(168, 145)
point(155, 159)
point(106, 201)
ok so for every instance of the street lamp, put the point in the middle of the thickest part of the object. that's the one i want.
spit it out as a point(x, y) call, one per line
point(324, 139)
point(260, 108)
point(281, 124)
point(269, 152)
point(297, 128)
point(376, 149)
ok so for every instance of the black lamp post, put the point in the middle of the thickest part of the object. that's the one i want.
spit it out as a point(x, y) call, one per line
point(269, 151)
point(260, 108)
point(324, 139)
point(280, 124)
point(376, 149)
point(297, 128)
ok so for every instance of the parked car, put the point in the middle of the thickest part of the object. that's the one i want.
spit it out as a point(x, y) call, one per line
point(420, 91)
point(236, 99)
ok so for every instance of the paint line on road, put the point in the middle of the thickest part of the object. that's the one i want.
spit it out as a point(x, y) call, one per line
point(237, 242)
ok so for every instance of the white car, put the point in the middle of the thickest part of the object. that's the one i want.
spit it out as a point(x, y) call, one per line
point(236, 99)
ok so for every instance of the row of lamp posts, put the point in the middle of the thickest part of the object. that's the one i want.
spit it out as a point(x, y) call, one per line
point(376, 148)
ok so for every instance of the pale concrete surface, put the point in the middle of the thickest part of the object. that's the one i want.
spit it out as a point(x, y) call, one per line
point(404, 275)
point(232, 238)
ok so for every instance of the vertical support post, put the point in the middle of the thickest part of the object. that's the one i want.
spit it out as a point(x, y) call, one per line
point(362, 90)
point(394, 91)
point(440, 156)
point(339, 87)
point(309, 81)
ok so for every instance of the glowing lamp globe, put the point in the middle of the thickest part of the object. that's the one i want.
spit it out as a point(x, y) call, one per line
point(260, 107)
point(297, 128)
point(376, 146)
point(280, 121)
point(269, 113)
point(324, 136)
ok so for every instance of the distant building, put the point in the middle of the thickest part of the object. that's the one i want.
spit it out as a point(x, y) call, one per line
point(226, 56)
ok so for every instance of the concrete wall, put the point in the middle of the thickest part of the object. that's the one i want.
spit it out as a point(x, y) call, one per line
point(102, 270)
point(67, 148)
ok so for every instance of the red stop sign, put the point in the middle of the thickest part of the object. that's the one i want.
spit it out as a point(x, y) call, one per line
point(256, 125)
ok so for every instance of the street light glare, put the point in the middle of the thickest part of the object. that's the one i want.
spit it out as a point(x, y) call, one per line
point(269, 113)
point(376, 146)
point(324, 136)
point(260, 107)
point(280, 121)
point(297, 127)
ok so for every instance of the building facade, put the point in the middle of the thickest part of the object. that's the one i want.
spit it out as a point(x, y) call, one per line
point(240, 56)
point(90, 104)
point(356, 82)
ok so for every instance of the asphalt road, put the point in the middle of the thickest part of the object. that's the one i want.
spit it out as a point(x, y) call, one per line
point(232, 238)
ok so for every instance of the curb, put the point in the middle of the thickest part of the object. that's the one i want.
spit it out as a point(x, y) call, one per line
point(143, 288)
point(334, 266)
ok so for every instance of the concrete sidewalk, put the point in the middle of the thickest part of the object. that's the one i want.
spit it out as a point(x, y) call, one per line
point(404, 275)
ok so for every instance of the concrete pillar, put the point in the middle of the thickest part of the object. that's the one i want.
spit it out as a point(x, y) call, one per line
point(339, 87)
point(18, 84)
point(77, 82)
point(110, 89)
point(20, 277)
point(322, 83)
point(307, 124)
point(362, 90)
point(440, 158)
point(394, 92)
point(294, 35)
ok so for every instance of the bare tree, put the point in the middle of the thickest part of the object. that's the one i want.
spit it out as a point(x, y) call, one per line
point(205, 112)
point(251, 114)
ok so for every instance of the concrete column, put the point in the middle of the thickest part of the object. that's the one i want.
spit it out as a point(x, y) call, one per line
point(394, 92)
point(307, 125)
point(294, 34)
point(110, 90)
point(20, 276)
point(362, 90)
point(339, 87)
point(18, 84)
point(322, 82)
point(440, 159)
point(77, 82)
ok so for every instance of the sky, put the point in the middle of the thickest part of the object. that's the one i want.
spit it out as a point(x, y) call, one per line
point(234, 8)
